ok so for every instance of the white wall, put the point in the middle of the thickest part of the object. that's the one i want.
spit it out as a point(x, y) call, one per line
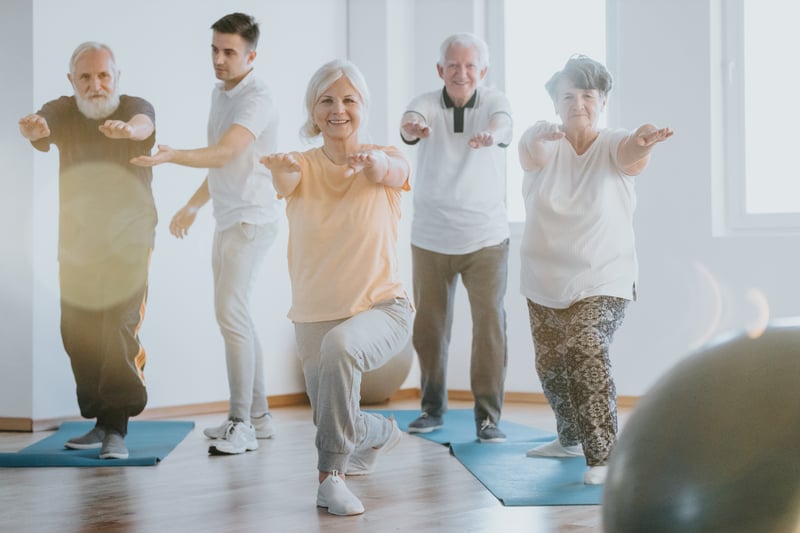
point(692, 285)
point(16, 199)
point(163, 50)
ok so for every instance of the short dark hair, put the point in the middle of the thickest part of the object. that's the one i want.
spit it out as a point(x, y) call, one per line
point(241, 24)
point(584, 73)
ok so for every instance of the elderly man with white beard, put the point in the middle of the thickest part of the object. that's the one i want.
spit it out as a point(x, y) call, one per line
point(107, 220)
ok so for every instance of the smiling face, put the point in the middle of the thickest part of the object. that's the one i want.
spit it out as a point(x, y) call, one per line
point(338, 111)
point(94, 81)
point(461, 73)
point(232, 58)
point(578, 108)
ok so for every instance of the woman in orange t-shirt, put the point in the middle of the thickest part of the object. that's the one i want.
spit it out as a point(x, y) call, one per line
point(350, 311)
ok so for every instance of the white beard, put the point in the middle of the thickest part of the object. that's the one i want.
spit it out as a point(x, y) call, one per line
point(97, 108)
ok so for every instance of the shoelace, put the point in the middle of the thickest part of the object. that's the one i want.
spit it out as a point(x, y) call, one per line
point(487, 424)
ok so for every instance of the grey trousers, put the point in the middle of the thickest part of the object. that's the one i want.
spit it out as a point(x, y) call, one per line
point(484, 274)
point(236, 258)
point(573, 363)
point(334, 354)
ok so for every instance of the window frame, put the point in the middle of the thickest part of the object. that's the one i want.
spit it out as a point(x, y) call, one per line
point(730, 186)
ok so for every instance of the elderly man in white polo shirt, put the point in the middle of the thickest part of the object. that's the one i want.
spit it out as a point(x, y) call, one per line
point(460, 228)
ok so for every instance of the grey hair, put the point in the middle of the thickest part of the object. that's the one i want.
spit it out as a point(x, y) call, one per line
point(584, 73)
point(89, 46)
point(467, 40)
point(323, 78)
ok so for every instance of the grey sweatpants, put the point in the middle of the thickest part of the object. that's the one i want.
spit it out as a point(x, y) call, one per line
point(334, 354)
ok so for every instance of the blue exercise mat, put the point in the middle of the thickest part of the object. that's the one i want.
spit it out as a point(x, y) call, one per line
point(503, 468)
point(459, 426)
point(517, 480)
point(148, 443)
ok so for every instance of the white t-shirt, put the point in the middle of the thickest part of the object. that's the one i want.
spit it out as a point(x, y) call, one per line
point(242, 191)
point(459, 192)
point(578, 239)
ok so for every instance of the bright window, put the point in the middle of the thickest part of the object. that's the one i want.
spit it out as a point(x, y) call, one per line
point(540, 36)
point(761, 177)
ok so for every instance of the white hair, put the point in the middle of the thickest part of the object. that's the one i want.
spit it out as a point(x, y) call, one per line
point(90, 46)
point(323, 78)
point(467, 40)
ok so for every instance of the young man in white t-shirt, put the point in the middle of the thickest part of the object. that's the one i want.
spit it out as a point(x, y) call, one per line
point(242, 126)
point(460, 228)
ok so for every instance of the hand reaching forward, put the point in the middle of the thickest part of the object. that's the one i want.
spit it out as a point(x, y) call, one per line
point(416, 129)
point(544, 131)
point(116, 129)
point(374, 163)
point(648, 137)
point(34, 127)
point(481, 139)
point(280, 163)
point(165, 154)
point(182, 221)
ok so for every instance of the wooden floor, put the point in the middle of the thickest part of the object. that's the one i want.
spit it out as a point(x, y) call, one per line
point(417, 487)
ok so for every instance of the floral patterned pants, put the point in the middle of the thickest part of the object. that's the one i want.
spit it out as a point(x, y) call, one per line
point(573, 364)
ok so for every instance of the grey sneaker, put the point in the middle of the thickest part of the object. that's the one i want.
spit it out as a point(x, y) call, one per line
point(425, 424)
point(113, 446)
point(489, 432)
point(92, 439)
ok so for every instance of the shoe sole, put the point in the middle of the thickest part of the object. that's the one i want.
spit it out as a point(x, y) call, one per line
point(494, 440)
point(424, 430)
point(531, 453)
point(213, 450)
point(92, 446)
point(258, 435)
point(113, 455)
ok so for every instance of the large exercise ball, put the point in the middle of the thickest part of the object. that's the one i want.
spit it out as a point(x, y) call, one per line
point(714, 446)
point(379, 384)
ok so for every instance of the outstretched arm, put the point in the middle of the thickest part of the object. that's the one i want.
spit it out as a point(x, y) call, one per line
point(34, 127)
point(232, 144)
point(497, 132)
point(138, 128)
point(184, 218)
point(536, 144)
point(633, 152)
point(285, 171)
point(388, 167)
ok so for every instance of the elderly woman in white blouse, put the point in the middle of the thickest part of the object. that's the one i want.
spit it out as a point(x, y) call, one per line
point(579, 266)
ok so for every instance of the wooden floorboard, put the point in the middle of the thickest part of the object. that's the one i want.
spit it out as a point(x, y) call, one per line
point(417, 487)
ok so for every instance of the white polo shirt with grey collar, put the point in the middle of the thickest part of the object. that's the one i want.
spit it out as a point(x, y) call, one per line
point(459, 191)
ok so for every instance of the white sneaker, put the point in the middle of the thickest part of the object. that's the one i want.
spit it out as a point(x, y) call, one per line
point(362, 462)
point(218, 432)
point(334, 494)
point(596, 475)
point(240, 438)
point(262, 424)
point(555, 449)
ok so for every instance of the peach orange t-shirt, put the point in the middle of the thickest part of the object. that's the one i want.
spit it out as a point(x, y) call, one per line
point(342, 240)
